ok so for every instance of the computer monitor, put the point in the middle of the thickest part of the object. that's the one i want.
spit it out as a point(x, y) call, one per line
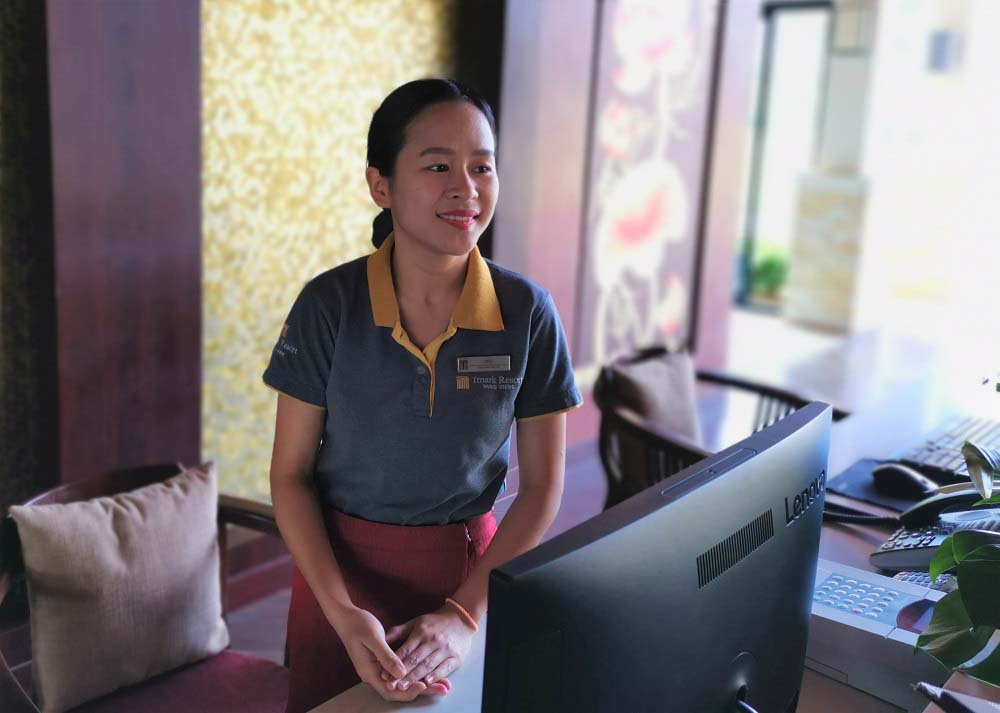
point(687, 597)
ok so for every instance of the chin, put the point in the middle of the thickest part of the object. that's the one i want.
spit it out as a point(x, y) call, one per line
point(457, 244)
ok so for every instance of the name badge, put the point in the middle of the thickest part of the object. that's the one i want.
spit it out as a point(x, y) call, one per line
point(483, 363)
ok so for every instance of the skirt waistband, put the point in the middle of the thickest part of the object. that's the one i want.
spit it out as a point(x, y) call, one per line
point(412, 538)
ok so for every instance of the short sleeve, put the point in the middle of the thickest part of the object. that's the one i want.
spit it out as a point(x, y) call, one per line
point(302, 358)
point(549, 385)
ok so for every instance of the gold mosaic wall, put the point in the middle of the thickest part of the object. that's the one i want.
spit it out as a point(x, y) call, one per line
point(288, 89)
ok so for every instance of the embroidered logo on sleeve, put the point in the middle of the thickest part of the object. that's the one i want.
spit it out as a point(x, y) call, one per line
point(284, 346)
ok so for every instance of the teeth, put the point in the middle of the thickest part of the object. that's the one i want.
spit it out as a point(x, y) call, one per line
point(462, 218)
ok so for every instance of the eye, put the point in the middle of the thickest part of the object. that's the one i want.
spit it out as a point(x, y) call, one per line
point(483, 169)
point(438, 168)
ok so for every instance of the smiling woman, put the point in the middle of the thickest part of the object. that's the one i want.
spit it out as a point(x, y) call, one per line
point(400, 375)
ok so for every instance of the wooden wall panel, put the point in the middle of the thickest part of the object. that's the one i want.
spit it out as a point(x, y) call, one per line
point(549, 70)
point(125, 104)
point(727, 178)
point(28, 410)
point(545, 90)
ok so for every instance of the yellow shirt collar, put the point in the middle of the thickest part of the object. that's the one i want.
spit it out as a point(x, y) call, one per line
point(477, 307)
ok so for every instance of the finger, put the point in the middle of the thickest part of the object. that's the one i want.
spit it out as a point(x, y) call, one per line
point(407, 689)
point(448, 666)
point(436, 689)
point(427, 665)
point(387, 658)
point(411, 660)
point(409, 646)
point(396, 694)
point(397, 633)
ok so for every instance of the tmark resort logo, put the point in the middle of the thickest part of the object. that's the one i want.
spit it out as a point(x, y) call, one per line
point(463, 383)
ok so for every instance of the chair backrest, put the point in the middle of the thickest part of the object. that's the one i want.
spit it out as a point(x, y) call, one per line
point(772, 403)
point(638, 450)
point(636, 453)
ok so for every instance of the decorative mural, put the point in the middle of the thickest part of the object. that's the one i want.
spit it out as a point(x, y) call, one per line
point(647, 164)
point(288, 89)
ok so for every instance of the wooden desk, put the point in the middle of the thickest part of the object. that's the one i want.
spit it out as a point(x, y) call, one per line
point(901, 416)
point(964, 684)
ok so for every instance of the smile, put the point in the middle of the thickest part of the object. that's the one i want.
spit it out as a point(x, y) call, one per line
point(462, 222)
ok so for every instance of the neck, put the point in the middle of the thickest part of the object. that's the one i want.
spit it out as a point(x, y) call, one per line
point(424, 276)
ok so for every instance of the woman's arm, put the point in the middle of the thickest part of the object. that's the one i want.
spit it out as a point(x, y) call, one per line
point(437, 643)
point(297, 433)
point(298, 429)
point(541, 460)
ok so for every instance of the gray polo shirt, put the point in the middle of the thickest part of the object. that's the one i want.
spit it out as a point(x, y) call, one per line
point(420, 437)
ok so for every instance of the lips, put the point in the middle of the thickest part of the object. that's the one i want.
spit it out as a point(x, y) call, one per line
point(461, 219)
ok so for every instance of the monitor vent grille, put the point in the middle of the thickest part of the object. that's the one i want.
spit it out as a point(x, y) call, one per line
point(734, 548)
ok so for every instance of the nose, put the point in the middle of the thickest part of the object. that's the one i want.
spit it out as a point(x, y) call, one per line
point(463, 186)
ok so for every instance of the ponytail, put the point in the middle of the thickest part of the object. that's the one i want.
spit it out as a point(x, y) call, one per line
point(381, 227)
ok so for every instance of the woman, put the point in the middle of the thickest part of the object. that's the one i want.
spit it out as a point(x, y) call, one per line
point(399, 376)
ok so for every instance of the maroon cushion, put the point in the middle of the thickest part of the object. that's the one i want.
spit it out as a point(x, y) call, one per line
point(227, 682)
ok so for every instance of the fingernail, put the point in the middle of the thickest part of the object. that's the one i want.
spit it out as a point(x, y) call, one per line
point(430, 678)
point(395, 683)
point(404, 685)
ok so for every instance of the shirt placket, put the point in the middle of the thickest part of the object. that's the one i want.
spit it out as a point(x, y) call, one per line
point(424, 379)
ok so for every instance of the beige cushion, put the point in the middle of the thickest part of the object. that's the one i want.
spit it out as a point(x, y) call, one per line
point(122, 588)
point(661, 389)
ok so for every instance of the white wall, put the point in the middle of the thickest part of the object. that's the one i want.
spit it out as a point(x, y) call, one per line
point(932, 154)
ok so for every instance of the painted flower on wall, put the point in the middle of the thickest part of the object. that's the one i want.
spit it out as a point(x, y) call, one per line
point(619, 127)
point(671, 312)
point(650, 36)
point(644, 210)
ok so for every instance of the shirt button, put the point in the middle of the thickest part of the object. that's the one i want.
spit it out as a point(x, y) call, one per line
point(420, 370)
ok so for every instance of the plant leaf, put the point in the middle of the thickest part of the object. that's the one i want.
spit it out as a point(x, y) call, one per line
point(988, 669)
point(950, 637)
point(992, 500)
point(978, 576)
point(966, 542)
point(983, 464)
point(958, 487)
point(943, 559)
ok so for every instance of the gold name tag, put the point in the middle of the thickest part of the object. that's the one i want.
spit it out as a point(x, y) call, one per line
point(483, 363)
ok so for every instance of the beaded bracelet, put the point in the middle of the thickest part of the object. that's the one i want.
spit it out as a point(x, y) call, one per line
point(466, 616)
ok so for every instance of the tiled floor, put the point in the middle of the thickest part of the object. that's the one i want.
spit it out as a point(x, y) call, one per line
point(259, 628)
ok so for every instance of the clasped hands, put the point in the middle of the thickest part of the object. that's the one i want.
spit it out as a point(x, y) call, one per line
point(434, 646)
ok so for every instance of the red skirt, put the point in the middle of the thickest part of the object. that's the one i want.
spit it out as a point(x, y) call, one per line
point(395, 572)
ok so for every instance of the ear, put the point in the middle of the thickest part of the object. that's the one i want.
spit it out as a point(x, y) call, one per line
point(378, 187)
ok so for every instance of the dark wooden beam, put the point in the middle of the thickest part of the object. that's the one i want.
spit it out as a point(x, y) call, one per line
point(126, 134)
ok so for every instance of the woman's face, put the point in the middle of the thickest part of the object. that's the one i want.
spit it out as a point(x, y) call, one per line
point(445, 186)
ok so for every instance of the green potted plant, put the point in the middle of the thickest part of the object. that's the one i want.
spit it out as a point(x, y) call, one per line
point(965, 626)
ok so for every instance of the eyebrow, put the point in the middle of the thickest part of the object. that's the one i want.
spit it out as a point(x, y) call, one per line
point(451, 152)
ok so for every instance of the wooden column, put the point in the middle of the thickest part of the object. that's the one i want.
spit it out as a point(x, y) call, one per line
point(28, 411)
point(126, 143)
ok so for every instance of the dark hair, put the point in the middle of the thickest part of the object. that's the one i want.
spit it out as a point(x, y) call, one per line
point(387, 132)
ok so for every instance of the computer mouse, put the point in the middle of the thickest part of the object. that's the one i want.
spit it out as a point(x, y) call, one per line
point(901, 481)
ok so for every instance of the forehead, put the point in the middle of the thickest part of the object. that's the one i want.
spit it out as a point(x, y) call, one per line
point(455, 124)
